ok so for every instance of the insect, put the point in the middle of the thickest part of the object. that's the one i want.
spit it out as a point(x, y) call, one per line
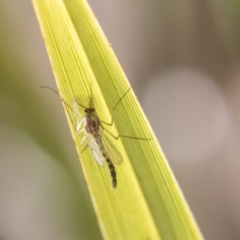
point(95, 135)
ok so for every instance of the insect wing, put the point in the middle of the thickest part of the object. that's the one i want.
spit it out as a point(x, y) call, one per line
point(112, 150)
point(95, 149)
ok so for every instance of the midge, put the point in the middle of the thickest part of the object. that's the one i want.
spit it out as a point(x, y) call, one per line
point(91, 126)
point(101, 146)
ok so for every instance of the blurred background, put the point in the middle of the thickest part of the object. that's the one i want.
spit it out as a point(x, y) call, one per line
point(182, 59)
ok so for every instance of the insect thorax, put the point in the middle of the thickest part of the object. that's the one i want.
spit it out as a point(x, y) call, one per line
point(91, 124)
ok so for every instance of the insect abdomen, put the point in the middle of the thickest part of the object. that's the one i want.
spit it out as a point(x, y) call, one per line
point(108, 160)
point(112, 172)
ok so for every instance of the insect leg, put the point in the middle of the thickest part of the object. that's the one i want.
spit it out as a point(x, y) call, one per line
point(125, 136)
point(86, 146)
point(111, 122)
point(122, 98)
point(56, 92)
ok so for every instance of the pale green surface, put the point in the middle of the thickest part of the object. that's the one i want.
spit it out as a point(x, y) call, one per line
point(147, 203)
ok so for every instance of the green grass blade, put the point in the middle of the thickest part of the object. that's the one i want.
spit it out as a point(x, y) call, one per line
point(147, 203)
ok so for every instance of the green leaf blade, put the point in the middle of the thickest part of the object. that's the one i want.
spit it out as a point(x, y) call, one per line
point(147, 203)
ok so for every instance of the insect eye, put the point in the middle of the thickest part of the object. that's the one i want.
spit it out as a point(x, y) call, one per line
point(87, 110)
point(91, 110)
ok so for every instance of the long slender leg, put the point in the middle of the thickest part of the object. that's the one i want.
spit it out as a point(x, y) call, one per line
point(49, 88)
point(111, 122)
point(125, 136)
point(85, 147)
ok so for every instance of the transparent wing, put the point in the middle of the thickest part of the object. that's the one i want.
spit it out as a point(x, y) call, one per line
point(111, 149)
point(95, 149)
point(79, 115)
